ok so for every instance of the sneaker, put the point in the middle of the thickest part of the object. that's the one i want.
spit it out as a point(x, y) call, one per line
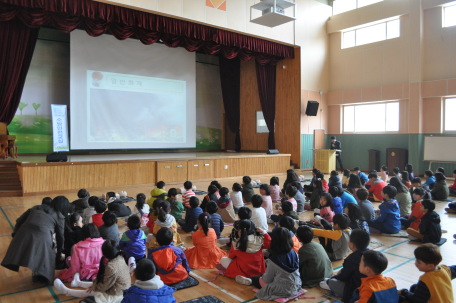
point(243, 280)
point(131, 264)
point(324, 284)
point(223, 240)
point(270, 221)
point(76, 280)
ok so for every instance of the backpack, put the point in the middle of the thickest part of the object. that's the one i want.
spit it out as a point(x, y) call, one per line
point(144, 217)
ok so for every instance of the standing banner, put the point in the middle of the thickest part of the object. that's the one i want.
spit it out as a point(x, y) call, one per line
point(60, 127)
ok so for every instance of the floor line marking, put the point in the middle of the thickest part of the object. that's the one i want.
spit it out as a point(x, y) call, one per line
point(20, 291)
point(397, 266)
point(12, 226)
point(54, 295)
point(385, 252)
point(216, 286)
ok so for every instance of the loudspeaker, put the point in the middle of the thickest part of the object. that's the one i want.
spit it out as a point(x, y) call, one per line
point(312, 108)
point(273, 152)
point(56, 157)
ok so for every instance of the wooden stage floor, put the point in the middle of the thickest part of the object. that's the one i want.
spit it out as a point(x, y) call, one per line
point(18, 287)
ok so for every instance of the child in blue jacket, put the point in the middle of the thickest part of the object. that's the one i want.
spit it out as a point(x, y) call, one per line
point(191, 215)
point(148, 286)
point(216, 220)
point(133, 241)
point(334, 179)
point(430, 179)
point(389, 221)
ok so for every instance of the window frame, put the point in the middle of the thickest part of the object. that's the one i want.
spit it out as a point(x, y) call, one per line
point(367, 26)
point(444, 15)
point(357, 6)
point(444, 116)
point(354, 132)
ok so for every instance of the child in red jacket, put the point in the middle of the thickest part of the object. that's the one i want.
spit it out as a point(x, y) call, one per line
point(246, 254)
point(376, 187)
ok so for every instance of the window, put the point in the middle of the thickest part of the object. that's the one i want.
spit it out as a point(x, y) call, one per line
point(449, 16)
point(261, 126)
point(358, 118)
point(371, 34)
point(450, 109)
point(341, 6)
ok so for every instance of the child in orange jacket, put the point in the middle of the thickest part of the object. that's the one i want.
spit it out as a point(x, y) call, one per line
point(170, 261)
point(205, 254)
point(414, 219)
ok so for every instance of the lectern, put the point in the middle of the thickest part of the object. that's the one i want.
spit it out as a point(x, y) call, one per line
point(325, 160)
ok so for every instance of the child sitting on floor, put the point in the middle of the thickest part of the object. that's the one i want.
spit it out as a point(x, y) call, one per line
point(314, 263)
point(244, 213)
point(133, 241)
point(169, 259)
point(90, 211)
point(216, 220)
point(409, 169)
point(82, 203)
point(157, 193)
point(430, 180)
point(191, 216)
point(389, 221)
point(299, 197)
point(429, 229)
point(334, 239)
point(267, 201)
point(286, 210)
point(109, 229)
point(383, 174)
point(440, 190)
point(289, 223)
point(176, 206)
point(274, 188)
point(362, 176)
point(357, 220)
point(85, 257)
point(396, 173)
point(327, 208)
point(142, 210)
point(73, 235)
point(414, 219)
point(164, 220)
point(100, 208)
point(112, 279)
point(236, 197)
point(402, 197)
point(416, 182)
point(334, 179)
point(354, 184)
point(435, 284)
point(219, 187)
point(315, 196)
point(281, 279)
point(247, 189)
point(337, 201)
point(349, 277)
point(148, 286)
point(211, 196)
point(225, 206)
point(258, 213)
point(376, 288)
point(345, 178)
point(205, 253)
point(406, 179)
point(246, 253)
point(375, 187)
point(367, 208)
point(187, 194)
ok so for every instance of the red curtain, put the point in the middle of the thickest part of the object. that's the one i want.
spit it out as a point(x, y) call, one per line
point(16, 51)
point(230, 77)
point(266, 79)
point(99, 18)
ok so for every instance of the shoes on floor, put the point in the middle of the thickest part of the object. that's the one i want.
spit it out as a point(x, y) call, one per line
point(243, 280)
point(270, 221)
point(324, 284)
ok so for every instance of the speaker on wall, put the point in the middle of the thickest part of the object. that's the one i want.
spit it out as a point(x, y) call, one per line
point(312, 108)
point(56, 157)
point(273, 152)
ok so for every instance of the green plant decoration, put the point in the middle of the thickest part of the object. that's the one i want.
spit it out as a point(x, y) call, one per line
point(22, 105)
point(36, 106)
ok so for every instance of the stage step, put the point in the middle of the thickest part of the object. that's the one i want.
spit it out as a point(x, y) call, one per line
point(10, 182)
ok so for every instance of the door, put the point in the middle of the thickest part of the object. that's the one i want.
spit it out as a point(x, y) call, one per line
point(319, 141)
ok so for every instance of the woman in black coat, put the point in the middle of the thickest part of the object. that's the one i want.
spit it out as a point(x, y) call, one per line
point(32, 245)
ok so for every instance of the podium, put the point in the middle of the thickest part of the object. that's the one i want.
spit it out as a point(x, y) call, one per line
point(325, 160)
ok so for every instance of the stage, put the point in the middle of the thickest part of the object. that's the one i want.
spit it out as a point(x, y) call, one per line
point(104, 170)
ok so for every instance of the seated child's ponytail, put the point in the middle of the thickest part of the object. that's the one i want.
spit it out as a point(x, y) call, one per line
point(140, 201)
point(204, 219)
point(156, 205)
point(163, 210)
point(247, 228)
point(110, 250)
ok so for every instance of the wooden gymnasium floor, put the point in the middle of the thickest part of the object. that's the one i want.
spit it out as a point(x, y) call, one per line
point(18, 287)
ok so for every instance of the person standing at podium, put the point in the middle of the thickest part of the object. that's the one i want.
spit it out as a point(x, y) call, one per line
point(336, 145)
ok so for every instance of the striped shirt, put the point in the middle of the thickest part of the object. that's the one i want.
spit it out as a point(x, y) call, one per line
point(186, 198)
point(294, 203)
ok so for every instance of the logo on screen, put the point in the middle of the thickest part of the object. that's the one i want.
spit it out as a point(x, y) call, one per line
point(96, 78)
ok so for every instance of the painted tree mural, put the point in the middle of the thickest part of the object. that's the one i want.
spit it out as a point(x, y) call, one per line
point(36, 106)
point(22, 105)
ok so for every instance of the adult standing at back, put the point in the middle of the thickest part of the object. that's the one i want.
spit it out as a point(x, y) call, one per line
point(32, 244)
point(336, 145)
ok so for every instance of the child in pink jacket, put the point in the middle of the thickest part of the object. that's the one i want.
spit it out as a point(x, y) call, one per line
point(86, 256)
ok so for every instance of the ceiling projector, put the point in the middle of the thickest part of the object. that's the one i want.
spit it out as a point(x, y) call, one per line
point(272, 12)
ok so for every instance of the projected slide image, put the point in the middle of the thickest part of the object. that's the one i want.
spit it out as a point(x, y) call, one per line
point(129, 108)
